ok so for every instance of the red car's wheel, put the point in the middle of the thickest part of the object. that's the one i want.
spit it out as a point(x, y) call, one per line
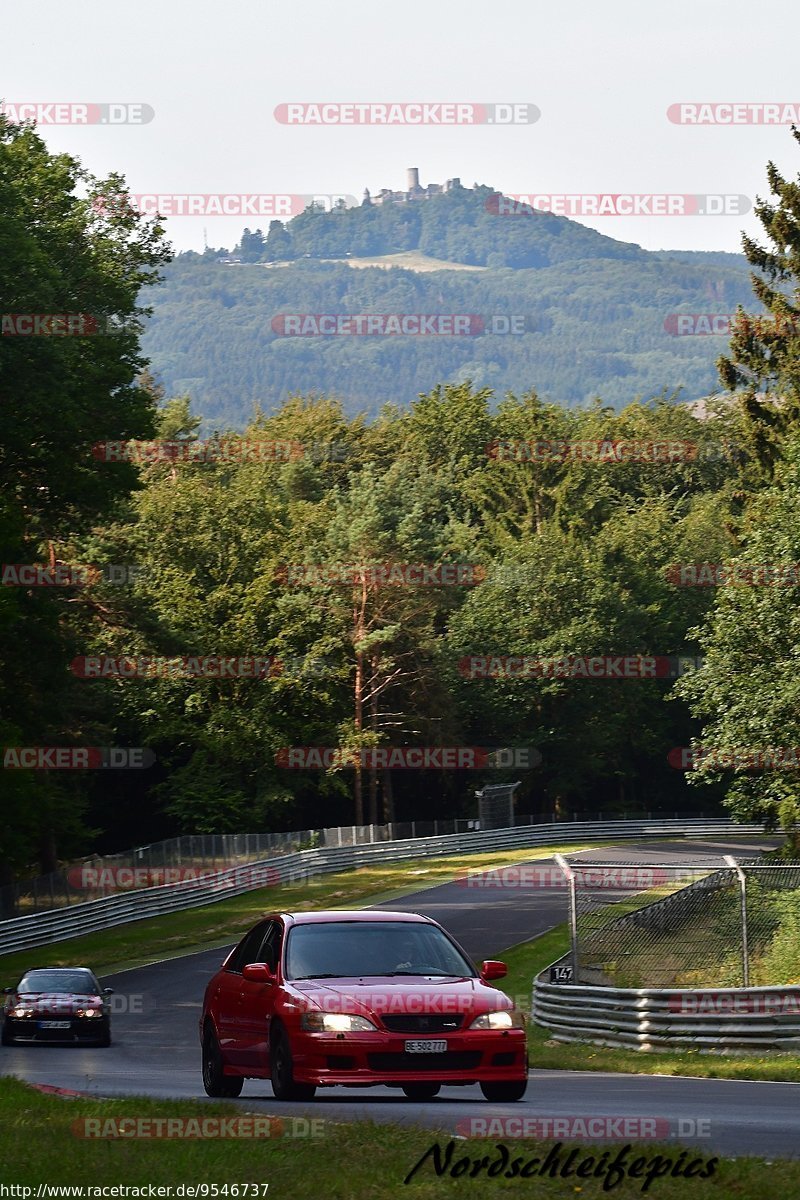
point(282, 1075)
point(215, 1081)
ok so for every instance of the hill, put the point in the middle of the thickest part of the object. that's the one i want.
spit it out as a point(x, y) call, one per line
point(557, 307)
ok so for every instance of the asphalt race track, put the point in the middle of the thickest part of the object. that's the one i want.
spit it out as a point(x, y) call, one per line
point(156, 1052)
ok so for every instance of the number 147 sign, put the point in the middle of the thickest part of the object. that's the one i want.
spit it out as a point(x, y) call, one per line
point(561, 974)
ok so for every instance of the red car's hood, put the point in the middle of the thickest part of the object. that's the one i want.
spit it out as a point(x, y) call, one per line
point(409, 995)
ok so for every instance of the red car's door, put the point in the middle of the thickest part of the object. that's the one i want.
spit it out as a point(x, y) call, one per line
point(227, 999)
point(258, 1002)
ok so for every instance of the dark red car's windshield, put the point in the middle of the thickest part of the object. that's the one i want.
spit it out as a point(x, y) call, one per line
point(82, 983)
point(350, 949)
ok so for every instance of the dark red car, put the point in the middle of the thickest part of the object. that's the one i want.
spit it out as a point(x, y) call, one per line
point(356, 999)
point(57, 1004)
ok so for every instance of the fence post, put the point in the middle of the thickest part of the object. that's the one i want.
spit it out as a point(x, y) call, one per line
point(731, 861)
point(573, 912)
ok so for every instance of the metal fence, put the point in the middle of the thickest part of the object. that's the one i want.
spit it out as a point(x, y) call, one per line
point(718, 922)
point(146, 866)
point(41, 928)
point(722, 1020)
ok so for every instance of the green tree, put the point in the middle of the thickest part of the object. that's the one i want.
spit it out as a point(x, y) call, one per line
point(69, 244)
point(763, 365)
point(747, 695)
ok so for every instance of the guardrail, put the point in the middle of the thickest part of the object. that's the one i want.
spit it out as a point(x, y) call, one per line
point(766, 1018)
point(43, 928)
point(145, 866)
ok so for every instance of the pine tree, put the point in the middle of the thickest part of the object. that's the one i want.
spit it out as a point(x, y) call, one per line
point(764, 363)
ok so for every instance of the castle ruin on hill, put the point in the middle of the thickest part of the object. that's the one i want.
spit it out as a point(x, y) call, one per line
point(414, 190)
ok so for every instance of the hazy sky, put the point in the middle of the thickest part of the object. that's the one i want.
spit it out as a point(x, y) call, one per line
point(603, 76)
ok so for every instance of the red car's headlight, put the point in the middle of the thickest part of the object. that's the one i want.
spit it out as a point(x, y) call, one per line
point(502, 1019)
point(320, 1022)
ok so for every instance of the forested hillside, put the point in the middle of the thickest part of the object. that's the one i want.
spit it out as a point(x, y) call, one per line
point(591, 311)
point(275, 550)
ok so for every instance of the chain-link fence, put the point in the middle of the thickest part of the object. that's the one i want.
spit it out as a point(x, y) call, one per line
point(193, 856)
point(196, 854)
point(717, 922)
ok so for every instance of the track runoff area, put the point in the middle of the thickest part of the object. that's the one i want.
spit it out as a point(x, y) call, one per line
point(155, 1050)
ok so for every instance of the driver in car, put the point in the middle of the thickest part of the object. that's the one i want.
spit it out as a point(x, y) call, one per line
point(407, 949)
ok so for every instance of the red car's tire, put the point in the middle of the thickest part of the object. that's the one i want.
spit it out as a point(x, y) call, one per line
point(281, 1071)
point(215, 1081)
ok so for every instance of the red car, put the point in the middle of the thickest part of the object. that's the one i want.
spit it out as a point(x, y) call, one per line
point(356, 999)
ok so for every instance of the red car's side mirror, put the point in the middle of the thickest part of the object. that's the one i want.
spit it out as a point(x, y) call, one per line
point(258, 973)
point(492, 969)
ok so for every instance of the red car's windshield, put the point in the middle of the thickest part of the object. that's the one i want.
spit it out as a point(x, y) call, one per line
point(350, 949)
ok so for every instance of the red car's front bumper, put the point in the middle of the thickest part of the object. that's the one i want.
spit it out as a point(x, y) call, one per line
point(364, 1059)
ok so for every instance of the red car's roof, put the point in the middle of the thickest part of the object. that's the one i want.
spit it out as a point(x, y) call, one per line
point(352, 914)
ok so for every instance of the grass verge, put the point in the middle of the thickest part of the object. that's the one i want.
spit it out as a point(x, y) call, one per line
point(38, 1144)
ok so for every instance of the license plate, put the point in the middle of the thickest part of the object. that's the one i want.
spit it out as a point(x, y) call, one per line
point(426, 1047)
point(55, 1024)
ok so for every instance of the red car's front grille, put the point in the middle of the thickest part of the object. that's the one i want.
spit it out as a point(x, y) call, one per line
point(423, 1023)
point(456, 1060)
